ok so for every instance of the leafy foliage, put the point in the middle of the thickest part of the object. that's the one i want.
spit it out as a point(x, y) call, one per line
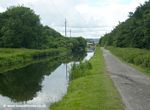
point(80, 70)
point(20, 27)
point(134, 32)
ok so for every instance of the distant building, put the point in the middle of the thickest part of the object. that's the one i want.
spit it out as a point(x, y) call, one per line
point(90, 46)
point(95, 41)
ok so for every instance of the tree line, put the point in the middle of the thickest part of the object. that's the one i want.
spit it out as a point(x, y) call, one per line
point(134, 32)
point(20, 27)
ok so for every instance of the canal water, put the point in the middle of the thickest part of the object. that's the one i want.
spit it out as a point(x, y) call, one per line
point(35, 86)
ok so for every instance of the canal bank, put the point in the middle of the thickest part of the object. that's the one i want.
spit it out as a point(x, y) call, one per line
point(92, 91)
point(11, 59)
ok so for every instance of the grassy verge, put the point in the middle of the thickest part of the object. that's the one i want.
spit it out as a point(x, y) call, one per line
point(17, 57)
point(90, 89)
point(138, 58)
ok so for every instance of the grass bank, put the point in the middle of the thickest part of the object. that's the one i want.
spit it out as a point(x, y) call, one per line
point(90, 88)
point(9, 56)
point(139, 58)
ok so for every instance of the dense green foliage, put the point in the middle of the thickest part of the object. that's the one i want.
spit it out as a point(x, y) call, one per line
point(91, 89)
point(134, 32)
point(140, 57)
point(20, 27)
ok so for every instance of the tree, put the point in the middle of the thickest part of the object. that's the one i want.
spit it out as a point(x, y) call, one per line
point(134, 32)
point(21, 28)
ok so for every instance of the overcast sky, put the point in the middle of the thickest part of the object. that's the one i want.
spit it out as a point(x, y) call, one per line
point(87, 18)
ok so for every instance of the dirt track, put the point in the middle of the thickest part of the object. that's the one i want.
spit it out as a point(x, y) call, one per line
point(133, 86)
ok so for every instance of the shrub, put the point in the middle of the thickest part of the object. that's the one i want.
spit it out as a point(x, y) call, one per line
point(80, 70)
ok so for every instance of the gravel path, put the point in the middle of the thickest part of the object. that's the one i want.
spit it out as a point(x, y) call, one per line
point(133, 86)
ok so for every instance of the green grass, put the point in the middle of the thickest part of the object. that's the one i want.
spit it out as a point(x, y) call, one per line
point(138, 58)
point(92, 91)
point(11, 58)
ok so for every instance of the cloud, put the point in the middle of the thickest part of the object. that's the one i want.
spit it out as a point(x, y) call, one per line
point(2, 9)
point(88, 18)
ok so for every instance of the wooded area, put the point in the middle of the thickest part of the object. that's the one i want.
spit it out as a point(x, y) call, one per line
point(134, 32)
point(20, 27)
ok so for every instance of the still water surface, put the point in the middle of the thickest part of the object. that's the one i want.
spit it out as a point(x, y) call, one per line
point(35, 86)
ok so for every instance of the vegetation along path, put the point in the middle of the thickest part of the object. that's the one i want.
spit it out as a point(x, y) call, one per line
point(134, 87)
point(90, 88)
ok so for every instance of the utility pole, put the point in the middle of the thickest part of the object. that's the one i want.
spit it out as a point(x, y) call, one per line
point(65, 27)
point(70, 32)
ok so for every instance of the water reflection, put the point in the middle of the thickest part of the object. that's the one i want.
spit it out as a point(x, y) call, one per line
point(40, 83)
point(89, 55)
point(22, 84)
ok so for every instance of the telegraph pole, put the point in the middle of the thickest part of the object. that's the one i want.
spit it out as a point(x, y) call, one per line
point(70, 32)
point(65, 27)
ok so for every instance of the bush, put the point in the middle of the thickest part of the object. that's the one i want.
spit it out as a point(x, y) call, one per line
point(80, 70)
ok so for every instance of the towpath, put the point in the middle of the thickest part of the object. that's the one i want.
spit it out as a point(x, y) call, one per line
point(133, 86)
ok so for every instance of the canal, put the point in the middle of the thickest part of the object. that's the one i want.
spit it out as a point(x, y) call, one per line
point(36, 86)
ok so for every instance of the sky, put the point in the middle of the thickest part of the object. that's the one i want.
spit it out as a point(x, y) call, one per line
point(87, 18)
